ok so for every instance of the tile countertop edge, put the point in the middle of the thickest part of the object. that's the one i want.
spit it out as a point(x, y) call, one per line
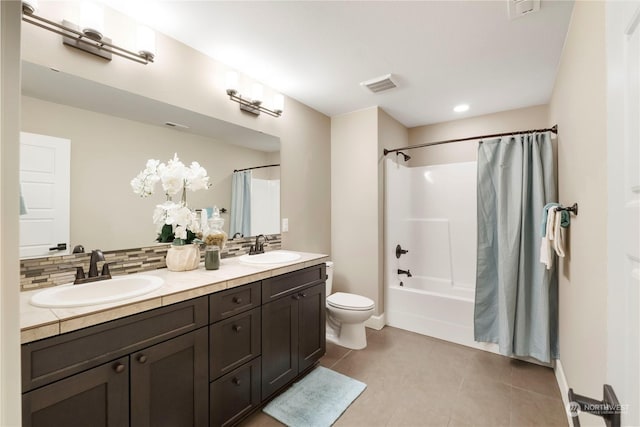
point(39, 323)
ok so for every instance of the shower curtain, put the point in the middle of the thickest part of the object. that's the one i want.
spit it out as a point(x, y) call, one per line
point(516, 303)
point(240, 204)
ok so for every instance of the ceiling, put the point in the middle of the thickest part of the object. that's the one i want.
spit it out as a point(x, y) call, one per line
point(441, 53)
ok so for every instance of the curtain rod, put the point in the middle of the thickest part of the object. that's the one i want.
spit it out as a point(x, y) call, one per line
point(553, 129)
point(255, 167)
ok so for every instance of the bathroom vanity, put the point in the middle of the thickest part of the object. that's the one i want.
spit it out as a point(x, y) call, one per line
point(206, 360)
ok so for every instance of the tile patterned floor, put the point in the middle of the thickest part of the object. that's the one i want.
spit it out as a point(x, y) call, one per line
point(414, 380)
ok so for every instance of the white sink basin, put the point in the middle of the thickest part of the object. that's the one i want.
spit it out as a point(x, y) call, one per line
point(104, 291)
point(273, 257)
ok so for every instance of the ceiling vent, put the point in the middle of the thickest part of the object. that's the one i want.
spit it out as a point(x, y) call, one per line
point(379, 84)
point(176, 125)
point(520, 8)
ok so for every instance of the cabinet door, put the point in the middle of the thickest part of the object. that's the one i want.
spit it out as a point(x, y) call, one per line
point(279, 343)
point(235, 395)
point(169, 382)
point(97, 397)
point(233, 342)
point(312, 341)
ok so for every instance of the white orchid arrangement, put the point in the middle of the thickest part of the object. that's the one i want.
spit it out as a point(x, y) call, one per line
point(174, 220)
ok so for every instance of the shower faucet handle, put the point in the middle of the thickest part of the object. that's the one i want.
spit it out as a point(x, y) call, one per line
point(400, 251)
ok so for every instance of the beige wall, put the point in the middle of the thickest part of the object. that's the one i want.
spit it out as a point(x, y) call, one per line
point(504, 121)
point(107, 152)
point(9, 267)
point(391, 134)
point(186, 78)
point(357, 204)
point(355, 237)
point(578, 106)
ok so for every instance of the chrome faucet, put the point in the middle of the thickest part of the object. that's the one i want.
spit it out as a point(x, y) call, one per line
point(258, 248)
point(96, 255)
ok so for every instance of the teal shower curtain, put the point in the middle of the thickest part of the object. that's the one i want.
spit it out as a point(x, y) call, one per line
point(240, 204)
point(516, 302)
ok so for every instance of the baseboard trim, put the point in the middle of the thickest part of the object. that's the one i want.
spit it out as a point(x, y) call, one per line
point(376, 322)
point(564, 387)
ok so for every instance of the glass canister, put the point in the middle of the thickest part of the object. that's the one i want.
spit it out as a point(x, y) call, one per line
point(212, 257)
point(216, 235)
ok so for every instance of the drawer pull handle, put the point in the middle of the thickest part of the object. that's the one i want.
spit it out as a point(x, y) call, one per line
point(237, 300)
point(303, 295)
point(296, 297)
point(236, 381)
point(142, 358)
point(119, 368)
point(236, 328)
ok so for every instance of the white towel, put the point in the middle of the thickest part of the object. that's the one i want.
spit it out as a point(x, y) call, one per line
point(546, 253)
point(558, 238)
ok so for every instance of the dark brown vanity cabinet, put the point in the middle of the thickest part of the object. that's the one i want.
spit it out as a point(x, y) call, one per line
point(210, 361)
point(150, 369)
point(293, 326)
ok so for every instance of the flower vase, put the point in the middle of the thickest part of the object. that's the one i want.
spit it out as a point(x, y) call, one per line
point(183, 257)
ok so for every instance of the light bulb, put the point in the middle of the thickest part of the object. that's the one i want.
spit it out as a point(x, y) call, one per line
point(232, 83)
point(256, 94)
point(91, 20)
point(146, 42)
point(278, 102)
point(29, 6)
point(461, 108)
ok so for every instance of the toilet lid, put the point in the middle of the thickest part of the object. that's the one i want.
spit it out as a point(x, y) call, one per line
point(350, 301)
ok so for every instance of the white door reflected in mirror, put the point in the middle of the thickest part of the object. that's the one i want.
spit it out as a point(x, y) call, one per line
point(45, 187)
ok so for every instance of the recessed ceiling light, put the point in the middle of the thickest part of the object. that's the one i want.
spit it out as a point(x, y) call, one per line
point(461, 108)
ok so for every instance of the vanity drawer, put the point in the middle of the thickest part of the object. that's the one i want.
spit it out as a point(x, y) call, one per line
point(234, 341)
point(55, 358)
point(235, 395)
point(234, 301)
point(276, 287)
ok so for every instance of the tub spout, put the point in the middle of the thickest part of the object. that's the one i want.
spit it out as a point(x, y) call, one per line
point(407, 272)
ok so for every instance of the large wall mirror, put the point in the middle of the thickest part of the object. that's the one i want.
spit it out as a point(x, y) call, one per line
point(113, 133)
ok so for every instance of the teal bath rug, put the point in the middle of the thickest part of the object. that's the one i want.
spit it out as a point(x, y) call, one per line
point(317, 400)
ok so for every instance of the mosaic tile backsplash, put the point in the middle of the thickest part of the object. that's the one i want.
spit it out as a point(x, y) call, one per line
point(45, 272)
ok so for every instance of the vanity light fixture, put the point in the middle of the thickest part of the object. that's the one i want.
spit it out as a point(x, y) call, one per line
point(252, 105)
point(88, 36)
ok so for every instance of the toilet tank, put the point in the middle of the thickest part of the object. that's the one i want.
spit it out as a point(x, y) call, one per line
point(329, 282)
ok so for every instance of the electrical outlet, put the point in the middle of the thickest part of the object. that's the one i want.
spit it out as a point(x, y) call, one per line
point(285, 224)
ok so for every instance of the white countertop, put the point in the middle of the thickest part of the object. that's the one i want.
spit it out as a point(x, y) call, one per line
point(37, 323)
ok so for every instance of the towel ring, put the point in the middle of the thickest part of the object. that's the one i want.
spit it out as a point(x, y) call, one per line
point(573, 209)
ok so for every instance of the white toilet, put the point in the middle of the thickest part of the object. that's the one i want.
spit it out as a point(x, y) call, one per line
point(346, 314)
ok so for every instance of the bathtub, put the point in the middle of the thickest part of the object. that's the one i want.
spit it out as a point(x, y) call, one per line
point(439, 313)
point(444, 315)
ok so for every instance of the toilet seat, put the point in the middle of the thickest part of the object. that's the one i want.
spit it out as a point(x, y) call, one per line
point(348, 301)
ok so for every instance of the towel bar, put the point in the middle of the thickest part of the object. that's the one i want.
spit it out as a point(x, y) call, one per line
point(608, 408)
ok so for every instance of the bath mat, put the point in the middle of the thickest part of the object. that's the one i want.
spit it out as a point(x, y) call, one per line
point(317, 400)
